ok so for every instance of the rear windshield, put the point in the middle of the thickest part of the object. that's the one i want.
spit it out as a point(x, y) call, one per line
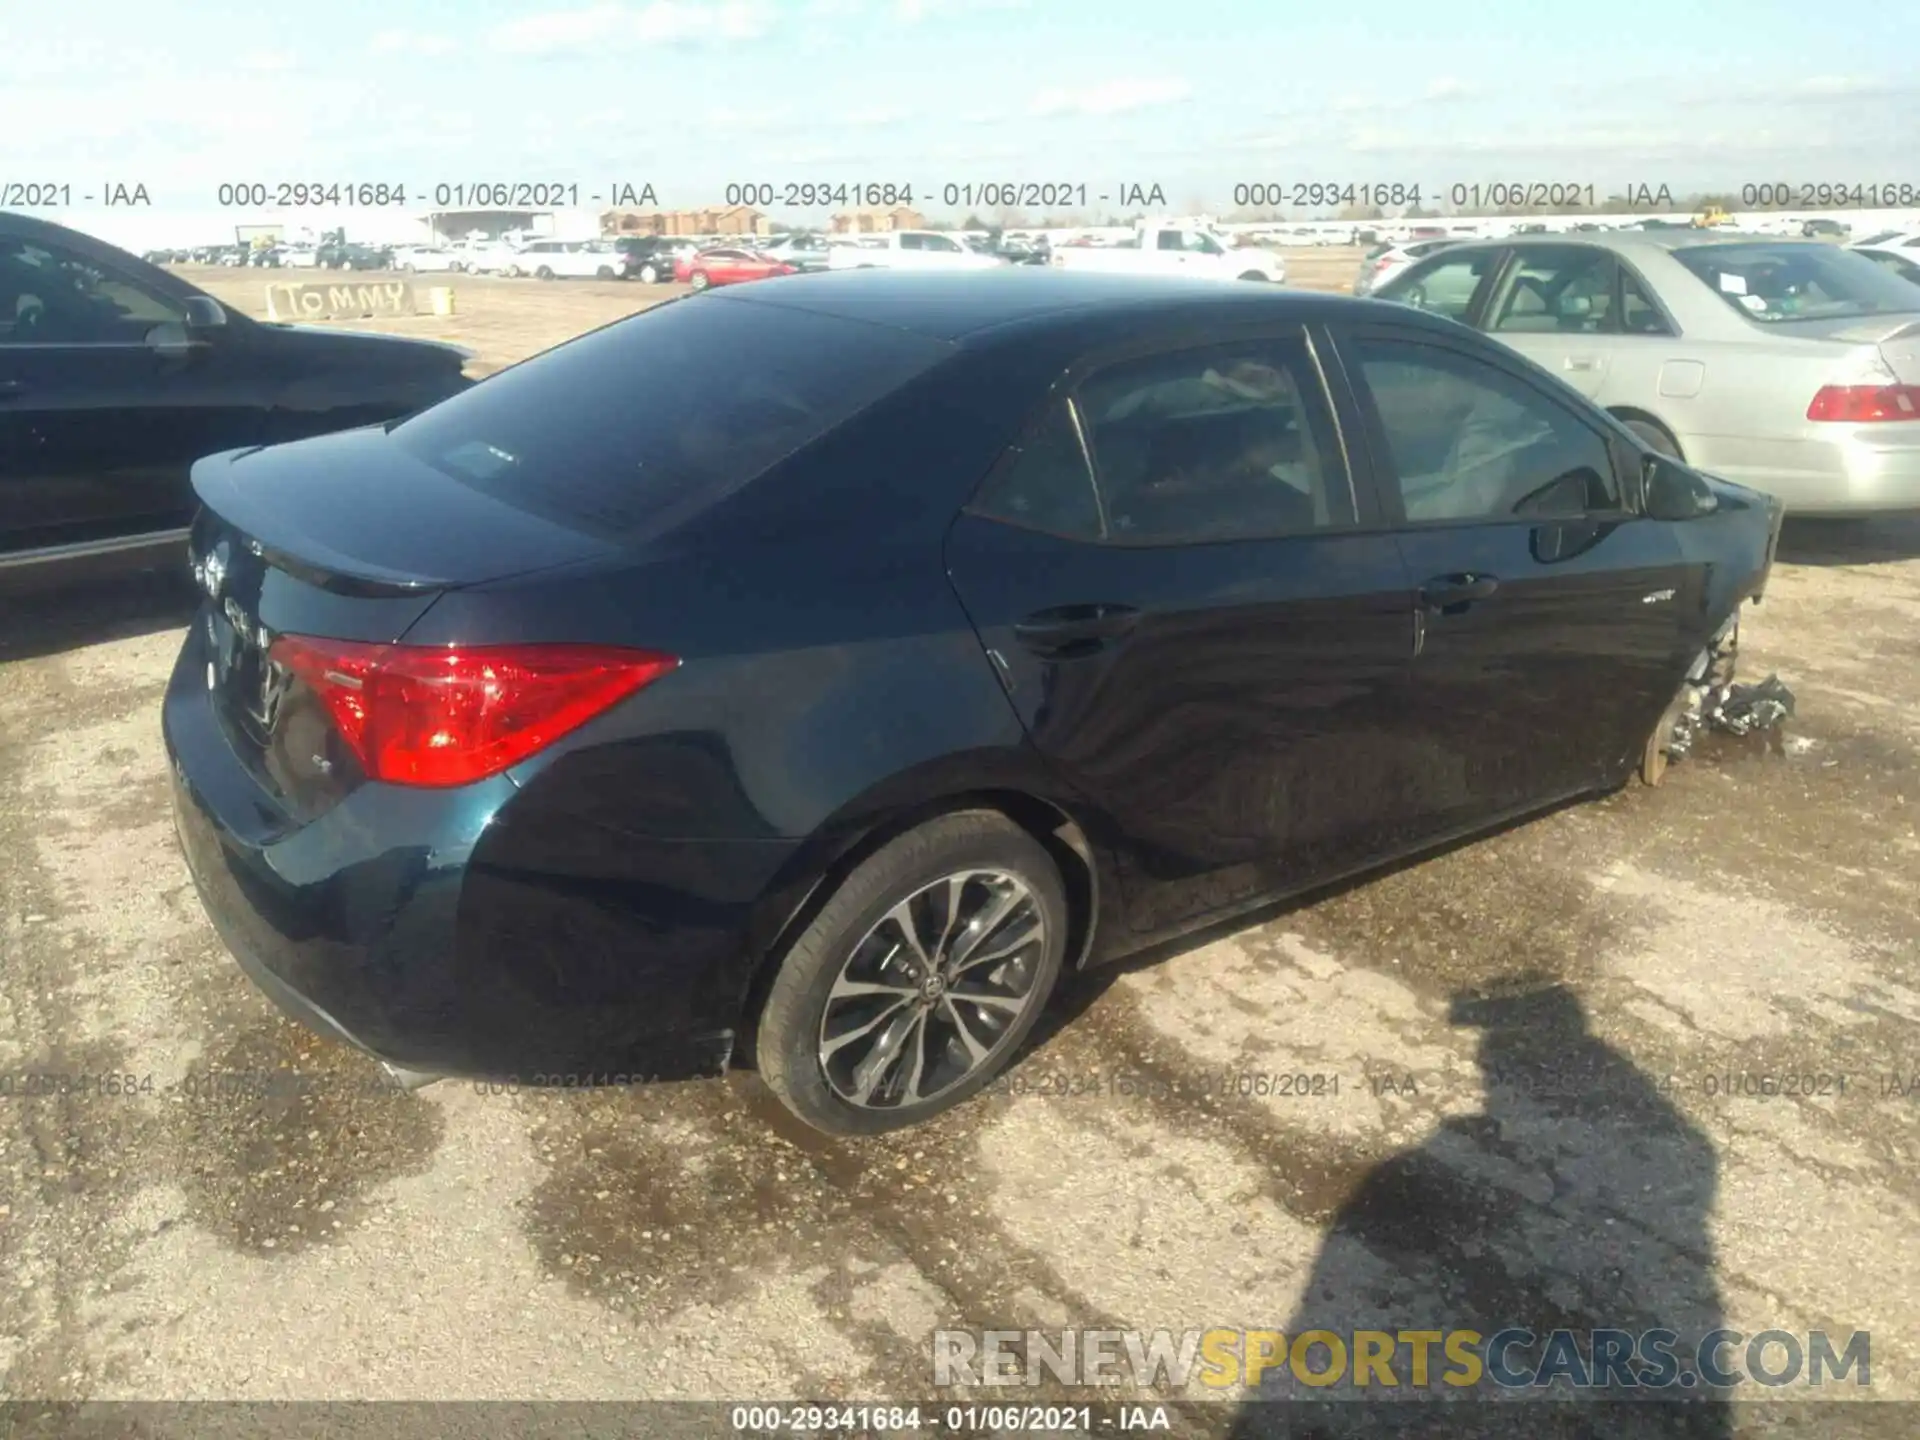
point(633, 428)
point(1775, 283)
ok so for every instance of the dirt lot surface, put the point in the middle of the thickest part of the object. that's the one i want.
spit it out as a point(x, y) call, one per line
point(1694, 1105)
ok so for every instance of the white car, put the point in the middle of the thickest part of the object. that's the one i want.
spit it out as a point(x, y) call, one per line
point(300, 257)
point(1376, 270)
point(495, 258)
point(566, 259)
point(1902, 257)
point(1159, 249)
point(425, 257)
point(911, 250)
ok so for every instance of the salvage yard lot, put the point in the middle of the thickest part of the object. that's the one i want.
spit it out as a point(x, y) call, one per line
point(1198, 1141)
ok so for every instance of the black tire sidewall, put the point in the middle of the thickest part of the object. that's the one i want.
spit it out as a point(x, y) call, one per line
point(1655, 438)
point(788, 1032)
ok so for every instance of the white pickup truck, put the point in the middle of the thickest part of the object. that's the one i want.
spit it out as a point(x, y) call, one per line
point(910, 250)
point(1174, 250)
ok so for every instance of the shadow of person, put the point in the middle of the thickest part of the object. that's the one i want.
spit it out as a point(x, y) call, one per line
point(1577, 1199)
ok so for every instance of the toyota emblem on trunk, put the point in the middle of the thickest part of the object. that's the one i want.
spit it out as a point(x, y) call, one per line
point(211, 571)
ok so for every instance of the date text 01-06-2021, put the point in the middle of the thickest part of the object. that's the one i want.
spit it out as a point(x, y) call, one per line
point(473, 194)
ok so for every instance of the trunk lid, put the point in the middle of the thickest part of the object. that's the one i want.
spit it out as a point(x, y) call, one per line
point(1896, 337)
point(341, 537)
point(357, 507)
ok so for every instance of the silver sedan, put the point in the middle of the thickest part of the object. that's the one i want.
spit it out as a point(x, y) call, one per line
point(1791, 366)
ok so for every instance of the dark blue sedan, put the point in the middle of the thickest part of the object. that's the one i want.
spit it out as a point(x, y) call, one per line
point(807, 675)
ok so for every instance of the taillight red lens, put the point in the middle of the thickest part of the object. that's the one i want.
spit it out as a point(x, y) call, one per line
point(1863, 404)
point(439, 716)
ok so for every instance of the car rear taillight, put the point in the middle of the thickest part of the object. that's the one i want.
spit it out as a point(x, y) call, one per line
point(439, 716)
point(1863, 404)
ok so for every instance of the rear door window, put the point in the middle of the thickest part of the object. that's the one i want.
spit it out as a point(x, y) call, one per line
point(1443, 284)
point(1558, 290)
point(1228, 442)
point(634, 427)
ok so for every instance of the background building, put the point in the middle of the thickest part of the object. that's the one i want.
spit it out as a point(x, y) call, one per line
point(878, 222)
point(725, 220)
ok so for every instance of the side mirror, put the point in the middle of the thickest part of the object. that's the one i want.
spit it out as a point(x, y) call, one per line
point(1670, 491)
point(205, 313)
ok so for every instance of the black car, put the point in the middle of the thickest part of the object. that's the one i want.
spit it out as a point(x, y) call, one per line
point(647, 258)
point(349, 255)
point(906, 641)
point(116, 375)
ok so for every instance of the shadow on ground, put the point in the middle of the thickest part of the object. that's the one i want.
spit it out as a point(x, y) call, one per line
point(1875, 540)
point(48, 622)
point(1577, 1200)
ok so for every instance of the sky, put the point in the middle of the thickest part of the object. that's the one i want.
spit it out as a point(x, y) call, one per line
point(691, 96)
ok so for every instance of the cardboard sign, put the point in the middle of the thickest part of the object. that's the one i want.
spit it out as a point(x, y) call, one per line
point(338, 300)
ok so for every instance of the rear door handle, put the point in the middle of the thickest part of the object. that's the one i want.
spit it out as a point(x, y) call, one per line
point(1450, 594)
point(1579, 362)
point(1068, 631)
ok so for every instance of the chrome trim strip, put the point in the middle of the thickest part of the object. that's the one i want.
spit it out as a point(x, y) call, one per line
point(53, 554)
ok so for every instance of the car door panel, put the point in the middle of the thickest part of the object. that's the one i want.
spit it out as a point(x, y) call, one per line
point(1233, 712)
point(96, 441)
point(1561, 642)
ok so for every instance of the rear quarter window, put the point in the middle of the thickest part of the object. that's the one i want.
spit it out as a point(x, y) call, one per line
point(636, 427)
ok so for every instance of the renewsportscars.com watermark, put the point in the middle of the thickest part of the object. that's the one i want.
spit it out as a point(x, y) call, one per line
point(1400, 1360)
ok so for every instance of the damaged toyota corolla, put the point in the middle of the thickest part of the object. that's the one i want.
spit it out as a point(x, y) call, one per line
point(901, 643)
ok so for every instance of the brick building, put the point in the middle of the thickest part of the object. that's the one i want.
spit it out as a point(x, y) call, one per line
point(878, 222)
point(724, 220)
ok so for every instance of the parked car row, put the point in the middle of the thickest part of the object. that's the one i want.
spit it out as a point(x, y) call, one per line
point(330, 255)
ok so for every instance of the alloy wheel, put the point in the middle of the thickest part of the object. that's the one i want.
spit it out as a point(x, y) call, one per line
point(933, 990)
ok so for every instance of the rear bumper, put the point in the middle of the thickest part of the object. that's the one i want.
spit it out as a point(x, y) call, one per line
point(1855, 470)
point(463, 932)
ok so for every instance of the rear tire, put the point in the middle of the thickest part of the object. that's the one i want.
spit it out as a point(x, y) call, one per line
point(545, 272)
point(1253, 275)
point(1655, 437)
point(605, 272)
point(700, 280)
point(897, 1028)
point(649, 275)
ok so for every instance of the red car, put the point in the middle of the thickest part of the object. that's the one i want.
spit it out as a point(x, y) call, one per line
point(727, 267)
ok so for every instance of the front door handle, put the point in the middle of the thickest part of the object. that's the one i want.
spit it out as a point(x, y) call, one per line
point(1069, 631)
point(1450, 594)
point(1579, 362)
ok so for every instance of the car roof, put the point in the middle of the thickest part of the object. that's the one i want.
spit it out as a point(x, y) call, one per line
point(957, 305)
point(1629, 242)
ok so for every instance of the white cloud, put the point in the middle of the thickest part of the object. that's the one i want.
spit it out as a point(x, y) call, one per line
point(912, 12)
point(1448, 87)
point(872, 119)
point(1113, 97)
point(1837, 87)
point(413, 42)
point(267, 62)
point(665, 22)
point(725, 117)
